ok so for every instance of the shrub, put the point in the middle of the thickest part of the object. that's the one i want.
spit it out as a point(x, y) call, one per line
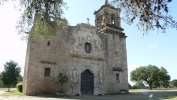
point(19, 86)
point(139, 85)
point(134, 87)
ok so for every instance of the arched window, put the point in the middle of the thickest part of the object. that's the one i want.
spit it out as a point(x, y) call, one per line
point(112, 19)
point(100, 20)
point(88, 47)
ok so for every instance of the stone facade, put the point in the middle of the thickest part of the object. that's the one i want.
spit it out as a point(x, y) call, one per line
point(67, 52)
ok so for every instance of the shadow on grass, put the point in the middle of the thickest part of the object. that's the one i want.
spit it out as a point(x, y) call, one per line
point(140, 96)
point(53, 95)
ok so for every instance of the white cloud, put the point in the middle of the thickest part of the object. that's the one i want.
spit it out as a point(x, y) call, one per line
point(153, 45)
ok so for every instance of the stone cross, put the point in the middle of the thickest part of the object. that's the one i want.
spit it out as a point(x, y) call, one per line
point(106, 2)
point(88, 20)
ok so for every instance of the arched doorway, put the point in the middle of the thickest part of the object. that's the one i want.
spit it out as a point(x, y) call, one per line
point(87, 83)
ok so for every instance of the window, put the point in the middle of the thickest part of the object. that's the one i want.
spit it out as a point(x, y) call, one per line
point(117, 77)
point(48, 43)
point(113, 19)
point(116, 53)
point(47, 72)
point(88, 47)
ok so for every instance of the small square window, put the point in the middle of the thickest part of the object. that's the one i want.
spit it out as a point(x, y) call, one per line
point(117, 77)
point(47, 72)
point(48, 43)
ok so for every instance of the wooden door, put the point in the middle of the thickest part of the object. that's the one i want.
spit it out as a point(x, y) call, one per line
point(87, 83)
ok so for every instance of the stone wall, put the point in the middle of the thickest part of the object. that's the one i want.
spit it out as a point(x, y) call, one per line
point(66, 54)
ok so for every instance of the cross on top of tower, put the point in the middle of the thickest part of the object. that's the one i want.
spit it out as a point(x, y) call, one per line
point(88, 20)
point(106, 2)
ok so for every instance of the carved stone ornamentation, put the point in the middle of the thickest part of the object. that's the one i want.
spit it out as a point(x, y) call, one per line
point(91, 69)
point(100, 77)
point(74, 76)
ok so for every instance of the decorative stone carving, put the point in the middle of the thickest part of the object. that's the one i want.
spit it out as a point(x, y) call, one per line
point(100, 77)
point(74, 76)
point(69, 57)
point(81, 38)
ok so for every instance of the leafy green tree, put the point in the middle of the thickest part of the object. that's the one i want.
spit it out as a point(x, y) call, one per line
point(149, 74)
point(46, 15)
point(10, 74)
point(139, 85)
point(20, 78)
point(156, 84)
point(164, 77)
point(165, 83)
point(1, 76)
point(1, 84)
point(150, 14)
point(61, 79)
point(40, 17)
point(174, 82)
point(161, 83)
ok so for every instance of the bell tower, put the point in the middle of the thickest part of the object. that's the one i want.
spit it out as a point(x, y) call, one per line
point(108, 17)
point(107, 23)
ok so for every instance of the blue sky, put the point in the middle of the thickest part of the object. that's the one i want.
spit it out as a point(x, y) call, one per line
point(155, 48)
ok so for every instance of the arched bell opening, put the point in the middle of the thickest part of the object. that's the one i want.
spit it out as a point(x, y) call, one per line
point(112, 19)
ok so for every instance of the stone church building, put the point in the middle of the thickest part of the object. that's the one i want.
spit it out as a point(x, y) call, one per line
point(92, 57)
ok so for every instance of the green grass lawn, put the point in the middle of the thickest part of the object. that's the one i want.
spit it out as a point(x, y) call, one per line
point(153, 90)
point(165, 96)
point(3, 88)
point(168, 96)
point(12, 93)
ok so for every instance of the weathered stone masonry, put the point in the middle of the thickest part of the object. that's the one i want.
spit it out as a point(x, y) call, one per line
point(93, 57)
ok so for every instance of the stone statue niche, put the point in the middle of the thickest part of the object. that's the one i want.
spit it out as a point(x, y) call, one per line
point(74, 76)
point(100, 77)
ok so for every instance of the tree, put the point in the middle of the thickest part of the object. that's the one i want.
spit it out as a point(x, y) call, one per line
point(174, 82)
point(20, 78)
point(150, 14)
point(156, 84)
point(47, 15)
point(40, 17)
point(164, 77)
point(139, 85)
point(61, 79)
point(1, 76)
point(129, 85)
point(10, 74)
point(149, 74)
point(1, 84)
point(165, 84)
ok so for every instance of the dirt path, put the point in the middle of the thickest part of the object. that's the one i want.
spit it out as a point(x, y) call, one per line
point(2, 92)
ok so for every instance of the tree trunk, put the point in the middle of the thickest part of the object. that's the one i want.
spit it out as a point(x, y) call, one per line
point(8, 88)
point(150, 87)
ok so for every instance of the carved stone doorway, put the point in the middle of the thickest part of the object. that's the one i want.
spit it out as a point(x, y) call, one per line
point(87, 83)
